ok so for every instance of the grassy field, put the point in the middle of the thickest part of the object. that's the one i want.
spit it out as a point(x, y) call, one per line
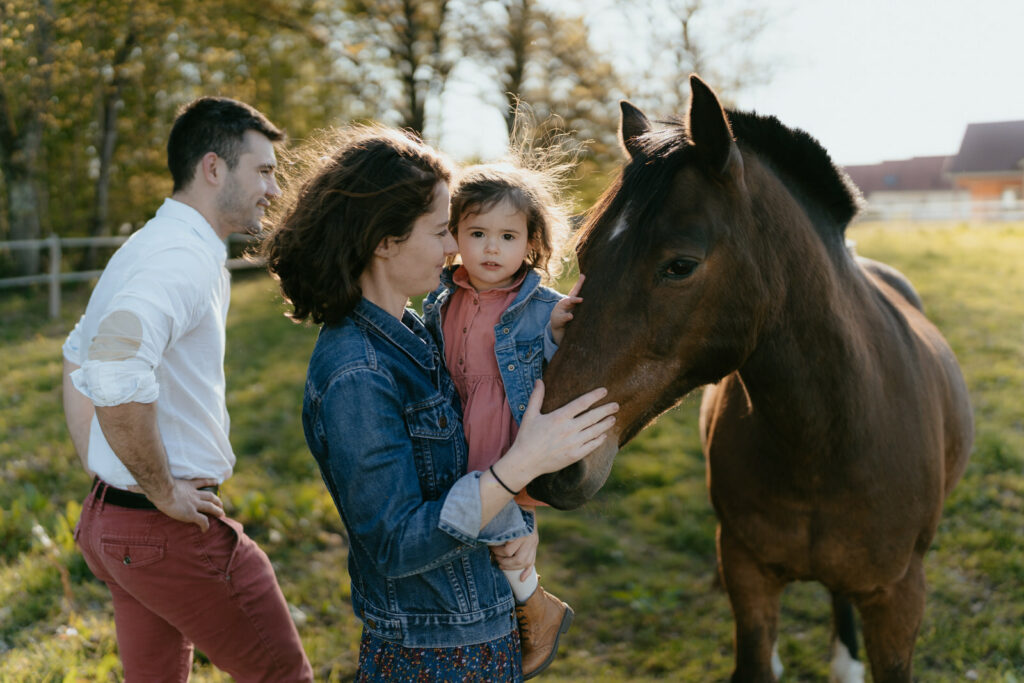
point(637, 564)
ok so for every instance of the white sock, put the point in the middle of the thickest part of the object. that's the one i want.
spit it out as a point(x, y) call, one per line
point(522, 589)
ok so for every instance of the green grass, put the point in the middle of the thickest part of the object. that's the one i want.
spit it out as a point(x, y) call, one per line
point(637, 564)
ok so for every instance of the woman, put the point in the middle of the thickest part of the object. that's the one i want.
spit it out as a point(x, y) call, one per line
point(365, 233)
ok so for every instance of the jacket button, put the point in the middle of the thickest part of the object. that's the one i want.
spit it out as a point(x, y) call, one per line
point(127, 559)
point(522, 407)
point(371, 623)
point(511, 366)
point(443, 422)
point(505, 331)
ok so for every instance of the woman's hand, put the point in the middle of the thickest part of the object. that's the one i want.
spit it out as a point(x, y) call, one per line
point(519, 553)
point(548, 443)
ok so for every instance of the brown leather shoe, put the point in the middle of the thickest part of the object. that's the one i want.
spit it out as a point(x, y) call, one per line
point(542, 619)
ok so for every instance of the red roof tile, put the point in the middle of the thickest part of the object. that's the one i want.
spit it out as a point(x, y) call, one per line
point(903, 175)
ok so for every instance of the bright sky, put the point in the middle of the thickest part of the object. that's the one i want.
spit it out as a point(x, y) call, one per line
point(891, 79)
point(870, 79)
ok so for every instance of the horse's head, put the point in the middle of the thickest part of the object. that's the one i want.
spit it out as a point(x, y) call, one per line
point(682, 274)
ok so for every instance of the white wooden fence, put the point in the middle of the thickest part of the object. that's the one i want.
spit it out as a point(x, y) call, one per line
point(56, 277)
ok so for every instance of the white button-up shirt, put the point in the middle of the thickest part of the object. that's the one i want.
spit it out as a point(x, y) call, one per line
point(154, 331)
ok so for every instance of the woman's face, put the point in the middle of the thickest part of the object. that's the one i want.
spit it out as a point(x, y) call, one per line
point(416, 267)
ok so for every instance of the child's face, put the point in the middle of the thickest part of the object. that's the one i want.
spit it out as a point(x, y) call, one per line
point(493, 245)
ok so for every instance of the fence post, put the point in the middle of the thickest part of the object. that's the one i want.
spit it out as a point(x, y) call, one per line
point(55, 259)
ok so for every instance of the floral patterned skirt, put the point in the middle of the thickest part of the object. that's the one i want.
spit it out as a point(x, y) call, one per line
point(382, 661)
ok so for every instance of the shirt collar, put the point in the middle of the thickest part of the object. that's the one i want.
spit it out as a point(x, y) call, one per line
point(179, 211)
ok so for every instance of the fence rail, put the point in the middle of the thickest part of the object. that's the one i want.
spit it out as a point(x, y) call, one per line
point(55, 276)
point(894, 208)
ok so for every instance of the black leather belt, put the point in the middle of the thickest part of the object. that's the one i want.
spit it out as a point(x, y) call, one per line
point(129, 499)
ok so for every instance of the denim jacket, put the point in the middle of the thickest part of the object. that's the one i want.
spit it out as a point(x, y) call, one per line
point(523, 341)
point(382, 418)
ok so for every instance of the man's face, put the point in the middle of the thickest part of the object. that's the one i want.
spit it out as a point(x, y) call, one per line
point(249, 187)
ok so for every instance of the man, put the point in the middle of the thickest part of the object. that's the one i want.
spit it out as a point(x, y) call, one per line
point(144, 402)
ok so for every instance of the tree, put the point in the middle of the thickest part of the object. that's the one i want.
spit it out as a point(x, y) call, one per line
point(713, 39)
point(27, 39)
point(546, 59)
point(404, 51)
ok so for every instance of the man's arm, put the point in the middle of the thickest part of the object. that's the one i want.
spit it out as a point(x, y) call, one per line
point(131, 430)
point(78, 412)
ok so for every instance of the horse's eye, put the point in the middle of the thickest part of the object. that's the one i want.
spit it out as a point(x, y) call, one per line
point(679, 269)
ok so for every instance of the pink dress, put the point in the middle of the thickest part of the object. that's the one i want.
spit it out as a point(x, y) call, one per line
point(468, 326)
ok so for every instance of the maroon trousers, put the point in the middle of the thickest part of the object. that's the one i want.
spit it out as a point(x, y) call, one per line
point(174, 586)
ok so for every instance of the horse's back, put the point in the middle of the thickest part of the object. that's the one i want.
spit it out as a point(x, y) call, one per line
point(936, 360)
point(892, 277)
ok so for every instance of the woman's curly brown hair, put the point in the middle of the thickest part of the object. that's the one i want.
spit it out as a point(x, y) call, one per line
point(375, 185)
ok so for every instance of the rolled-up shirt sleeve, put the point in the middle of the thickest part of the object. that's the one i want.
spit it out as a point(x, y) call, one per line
point(72, 347)
point(156, 305)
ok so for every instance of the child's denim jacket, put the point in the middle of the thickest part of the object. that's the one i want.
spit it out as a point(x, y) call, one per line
point(382, 418)
point(522, 337)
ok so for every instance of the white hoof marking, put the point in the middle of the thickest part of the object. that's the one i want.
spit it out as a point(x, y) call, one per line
point(844, 668)
point(777, 667)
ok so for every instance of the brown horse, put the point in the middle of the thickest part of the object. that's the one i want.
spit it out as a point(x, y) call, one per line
point(837, 421)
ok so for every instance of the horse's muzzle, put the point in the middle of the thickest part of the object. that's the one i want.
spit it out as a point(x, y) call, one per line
point(569, 488)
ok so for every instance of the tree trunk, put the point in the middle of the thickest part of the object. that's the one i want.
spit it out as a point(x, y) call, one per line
point(112, 102)
point(22, 211)
point(21, 141)
point(520, 18)
point(414, 118)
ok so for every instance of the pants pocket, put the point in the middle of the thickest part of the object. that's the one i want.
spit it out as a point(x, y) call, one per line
point(133, 552)
point(220, 543)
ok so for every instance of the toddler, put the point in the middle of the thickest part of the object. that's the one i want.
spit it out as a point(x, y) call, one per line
point(497, 325)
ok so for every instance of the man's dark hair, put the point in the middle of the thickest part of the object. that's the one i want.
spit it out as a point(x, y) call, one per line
point(212, 124)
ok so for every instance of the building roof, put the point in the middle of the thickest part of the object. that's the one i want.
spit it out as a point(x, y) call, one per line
point(903, 175)
point(991, 148)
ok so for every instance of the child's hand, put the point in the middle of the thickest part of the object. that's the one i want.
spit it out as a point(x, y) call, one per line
point(561, 314)
point(519, 553)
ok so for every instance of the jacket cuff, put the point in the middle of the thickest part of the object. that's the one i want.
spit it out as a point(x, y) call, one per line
point(549, 344)
point(461, 513)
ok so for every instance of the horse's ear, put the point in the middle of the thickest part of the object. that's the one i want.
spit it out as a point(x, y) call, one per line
point(710, 131)
point(634, 124)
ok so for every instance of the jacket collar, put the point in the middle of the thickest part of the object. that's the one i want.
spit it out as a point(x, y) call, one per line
point(409, 334)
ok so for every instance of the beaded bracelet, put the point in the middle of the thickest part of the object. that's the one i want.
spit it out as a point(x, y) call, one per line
point(503, 484)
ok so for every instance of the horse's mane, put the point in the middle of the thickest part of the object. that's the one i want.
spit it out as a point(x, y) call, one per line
point(798, 159)
point(803, 164)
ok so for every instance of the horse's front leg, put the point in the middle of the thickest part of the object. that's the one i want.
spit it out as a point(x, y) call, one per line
point(891, 617)
point(754, 595)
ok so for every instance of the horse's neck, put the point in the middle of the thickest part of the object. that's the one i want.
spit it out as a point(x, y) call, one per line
point(808, 356)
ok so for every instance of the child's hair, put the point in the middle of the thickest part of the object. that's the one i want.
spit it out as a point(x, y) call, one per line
point(346, 191)
point(480, 188)
point(531, 180)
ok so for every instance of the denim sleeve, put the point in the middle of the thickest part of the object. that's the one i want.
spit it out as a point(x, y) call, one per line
point(460, 515)
point(369, 465)
point(549, 343)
